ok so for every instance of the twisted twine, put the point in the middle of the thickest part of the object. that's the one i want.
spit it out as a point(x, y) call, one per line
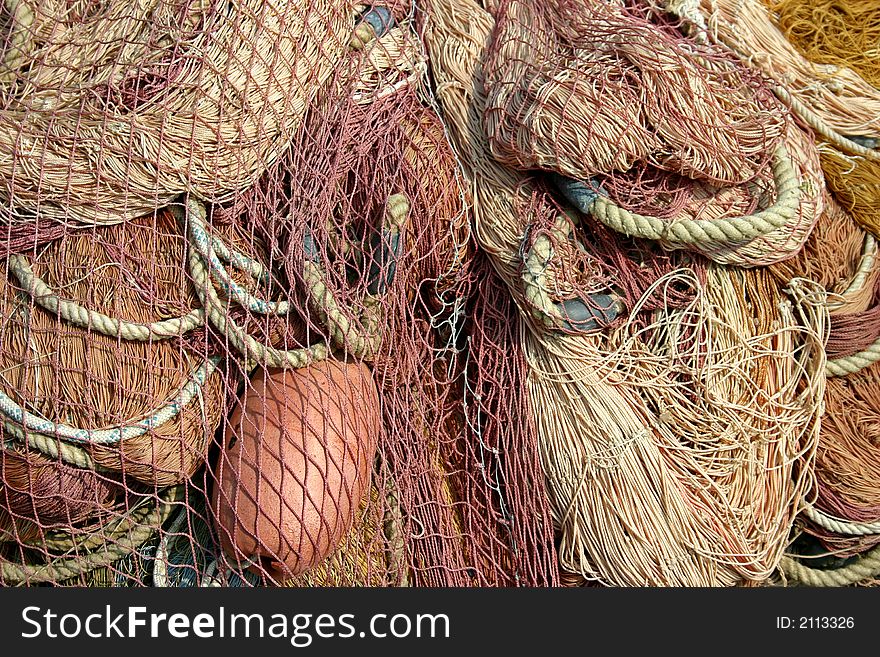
point(838, 526)
point(855, 362)
point(535, 273)
point(92, 320)
point(685, 232)
point(26, 422)
point(857, 282)
point(823, 128)
point(866, 567)
point(131, 532)
point(344, 333)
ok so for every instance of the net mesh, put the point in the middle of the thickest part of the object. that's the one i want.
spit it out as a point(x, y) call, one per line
point(457, 293)
point(244, 339)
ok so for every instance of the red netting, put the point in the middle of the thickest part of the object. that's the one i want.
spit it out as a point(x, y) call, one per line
point(460, 293)
point(243, 338)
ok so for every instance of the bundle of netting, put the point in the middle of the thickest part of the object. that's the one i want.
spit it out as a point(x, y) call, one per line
point(841, 510)
point(365, 218)
point(677, 442)
point(669, 139)
point(836, 32)
point(832, 99)
point(112, 387)
point(844, 509)
point(841, 257)
point(111, 109)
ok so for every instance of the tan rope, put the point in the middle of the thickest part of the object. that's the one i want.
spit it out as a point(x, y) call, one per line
point(722, 231)
point(92, 320)
point(863, 271)
point(838, 526)
point(536, 263)
point(217, 313)
point(54, 448)
point(344, 333)
point(21, 20)
point(850, 364)
point(866, 567)
point(845, 102)
point(60, 541)
point(127, 542)
point(535, 273)
point(815, 121)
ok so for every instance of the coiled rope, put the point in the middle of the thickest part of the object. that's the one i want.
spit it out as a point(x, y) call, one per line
point(840, 526)
point(573, 315)
point(855, 362)
point(366, 343)
point(823, 129)
point(686, 232)
point(25, 421)
point(132, 531)
point(865, 567)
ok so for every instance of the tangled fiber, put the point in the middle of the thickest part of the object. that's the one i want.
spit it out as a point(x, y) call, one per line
point(840, 257)
point(371, 164)
point(847, 474)
point(652, 469)
point(49, 491)
point(835, 101)
point(836, 32)
point(112, 109)
point(855, 182)
point(72, 555)
point(689, 118)
point(620, 437)
point(77, 374)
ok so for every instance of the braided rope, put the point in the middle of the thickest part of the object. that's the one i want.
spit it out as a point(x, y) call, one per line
point(135, 533)
point(52, 447)
point(236, 258)
point(866, 264)
point(90, 319)
point(22, 18)
point(866, 567)
point(37, 424)
point(343, 332)
point(686, 232)
point(822, 128)
point(851, 364)
point(838, 526)
point(216, 311)
point(205, 246)
point(534, 274)
point(62, 541)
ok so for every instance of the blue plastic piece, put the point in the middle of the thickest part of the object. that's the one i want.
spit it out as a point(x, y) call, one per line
point(576, 192)
point(380, 19)
point(580, 316)
point(867, 142)
point(310, 247)
point(385, 249)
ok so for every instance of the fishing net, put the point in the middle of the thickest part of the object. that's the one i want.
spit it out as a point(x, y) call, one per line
point(834, 100)
point(245, 339)
point(677, 142)
point(837, 33)
point(460, 293)
point(641, 459)
point(837, 528)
